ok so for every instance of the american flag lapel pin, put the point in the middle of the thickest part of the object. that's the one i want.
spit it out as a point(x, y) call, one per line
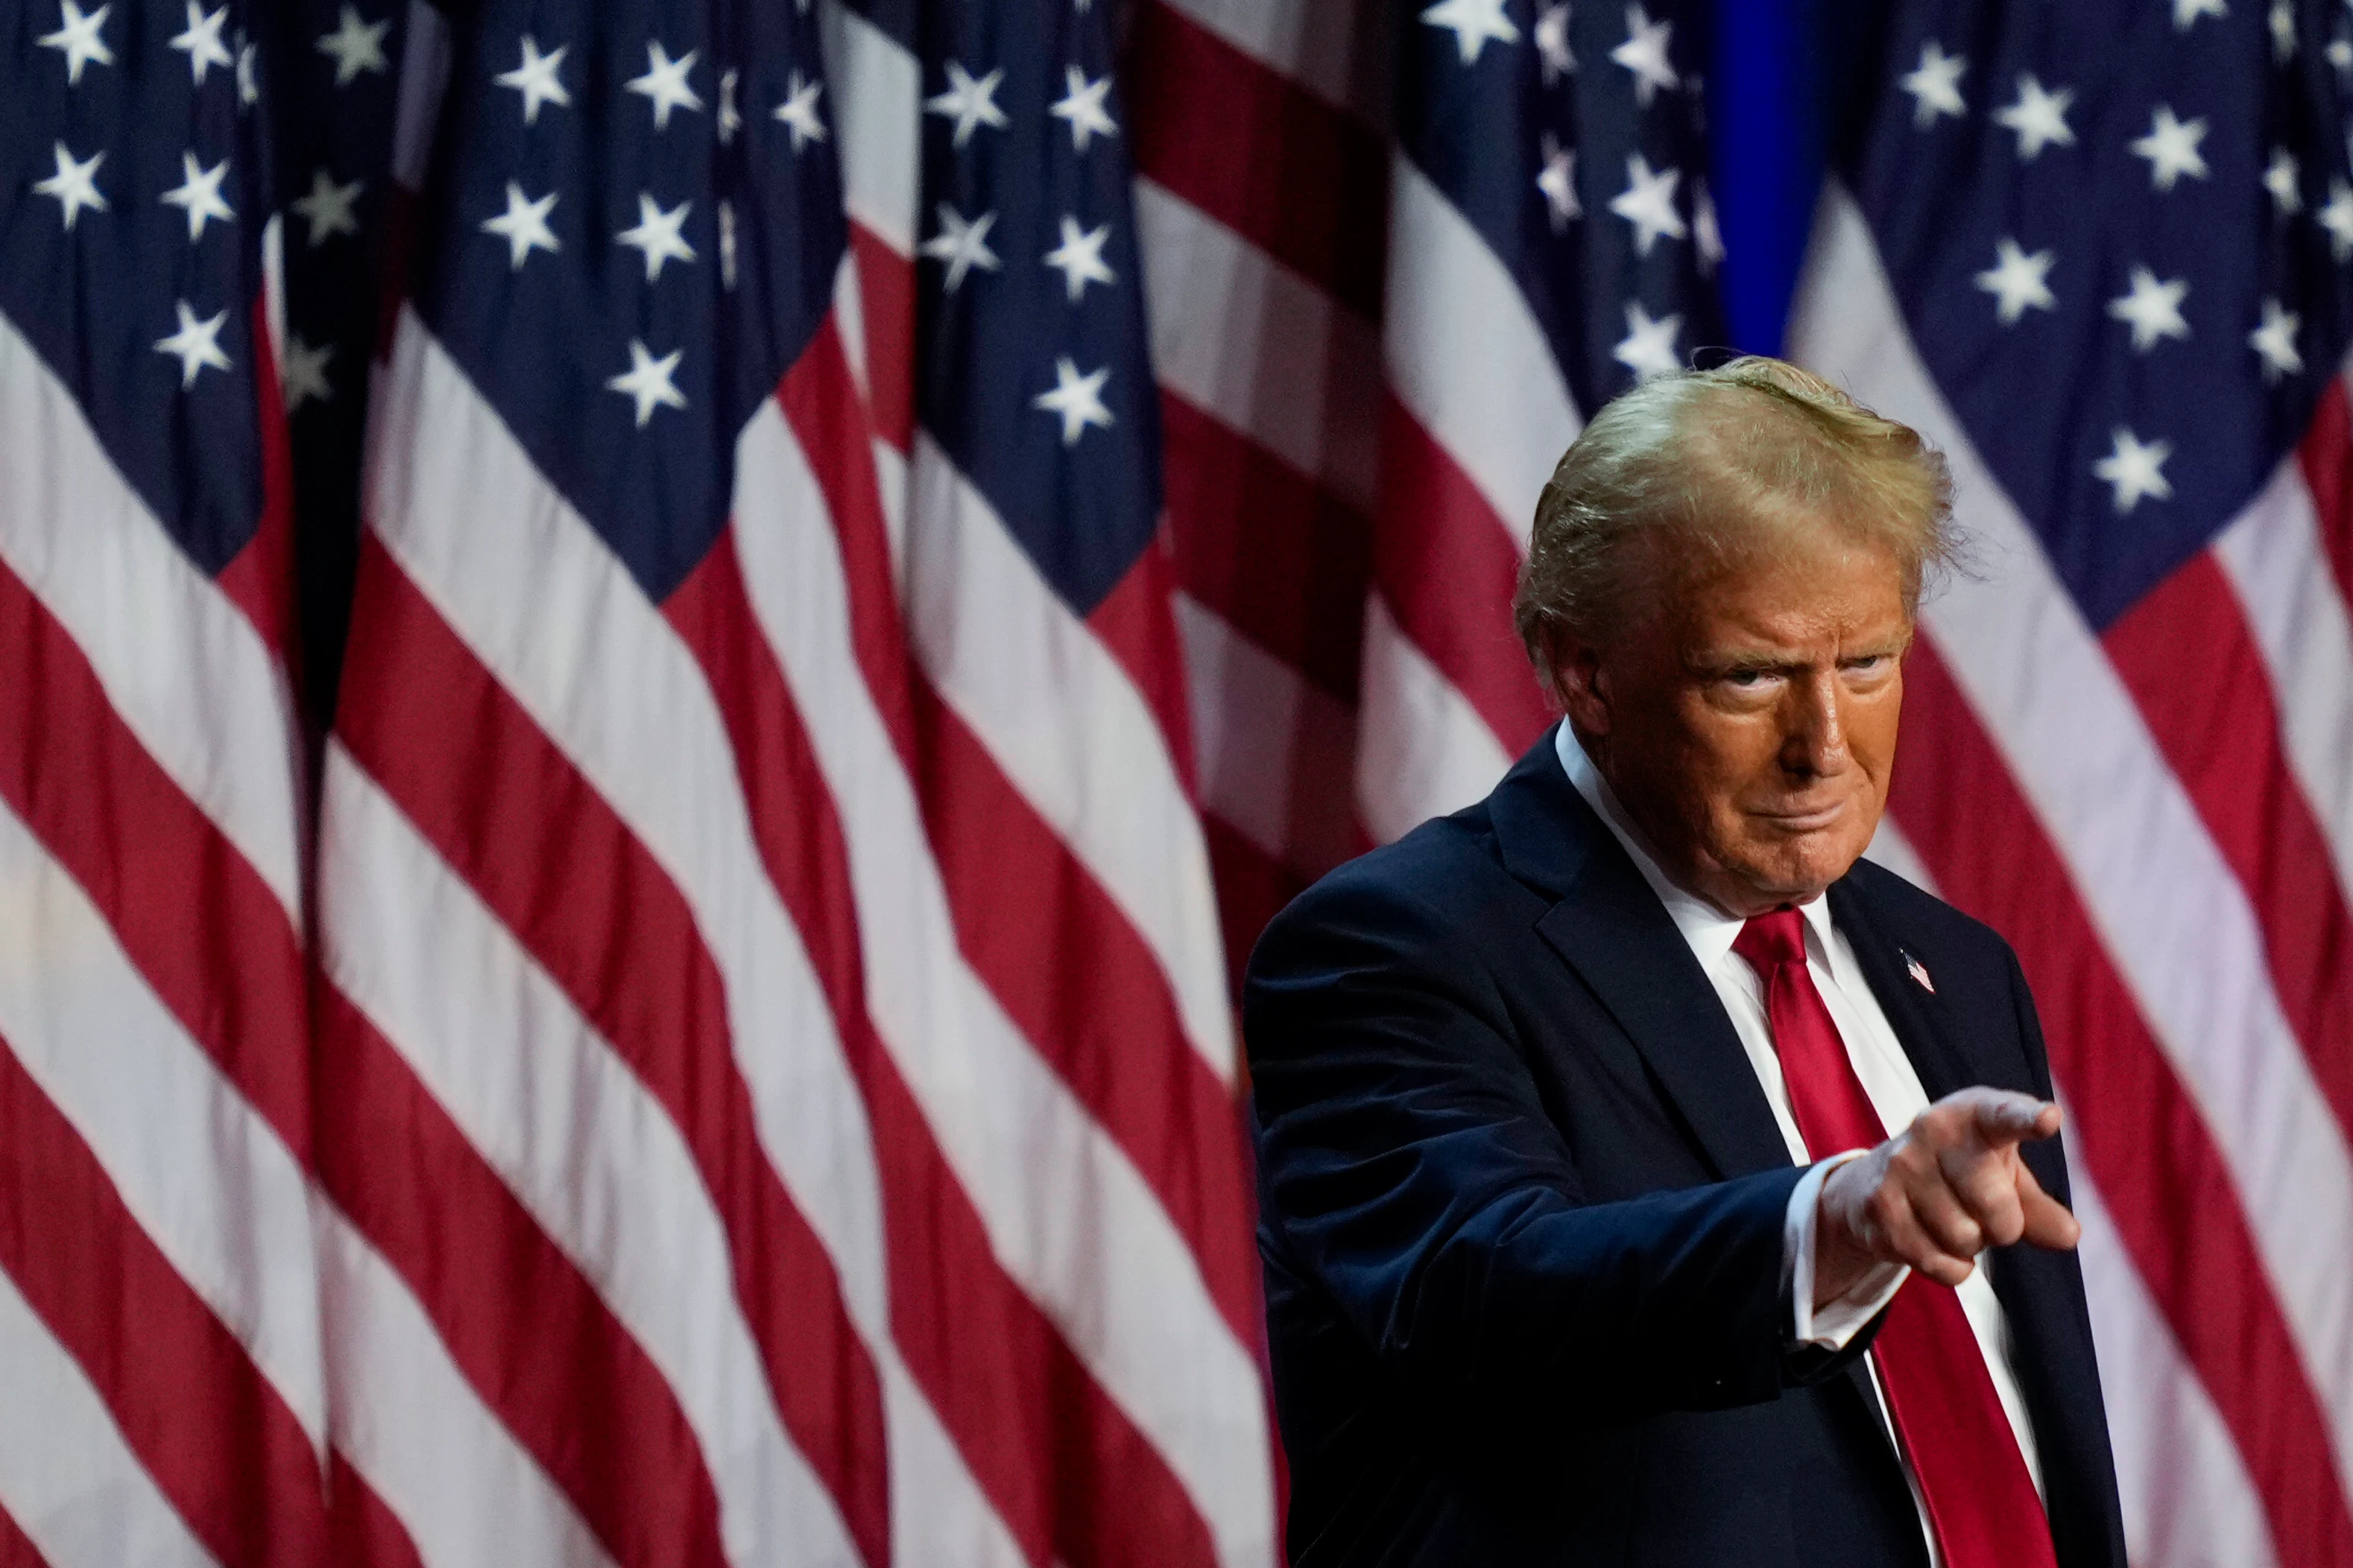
point(1919, 971)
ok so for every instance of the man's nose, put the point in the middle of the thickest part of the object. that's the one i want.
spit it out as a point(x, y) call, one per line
point(1814, 740)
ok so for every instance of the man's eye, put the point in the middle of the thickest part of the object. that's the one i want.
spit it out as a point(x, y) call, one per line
point(1746, 679)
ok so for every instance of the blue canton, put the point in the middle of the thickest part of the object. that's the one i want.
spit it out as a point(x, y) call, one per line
point(2135, 221)
point(136, 169)
point(638, 223)
point(1033, 374)
point(1573, 138)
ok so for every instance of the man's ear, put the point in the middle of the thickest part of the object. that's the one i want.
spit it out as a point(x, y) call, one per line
point(1580, 684)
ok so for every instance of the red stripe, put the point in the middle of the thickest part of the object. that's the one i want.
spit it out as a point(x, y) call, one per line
point(2167, 1185)
point(886, 287)
point(522, 1323)
point(1302, 180)
point(209, 1429)
point(512, 816)
point(1252, 887)
point(194, 919)
point(1059, 955)
point(2217, 720)
point(363, 1532)
point(16, 1549)
point(1136, 626)
point(1447, 568)
point(1065, 1469)
point(260, 578)
point(1284, 560)
point(2326, 455)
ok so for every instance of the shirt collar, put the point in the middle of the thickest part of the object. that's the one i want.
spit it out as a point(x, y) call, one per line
point(1707, 930)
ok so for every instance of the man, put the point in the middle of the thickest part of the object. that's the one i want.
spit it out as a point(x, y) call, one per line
point(1646, 1178)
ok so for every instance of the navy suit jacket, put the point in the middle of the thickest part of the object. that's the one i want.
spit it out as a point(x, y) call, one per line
point(1521, 1204)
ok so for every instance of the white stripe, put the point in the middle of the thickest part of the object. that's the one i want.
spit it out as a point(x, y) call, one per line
point(204, 1176)
point(2275, 562)
point(411, 1423)
point(1331, 50)
point(184, 669)
point(577, 1138)
point(67, 1476)
point(1069, 1217)
point(2173, 918)
point(598, 668)
point(1060, 717)
point(875, 87)
point(1892, 850)
point(1465, 356)
point(2188, 1500)
point(1277, 752)
point(1254, 346)
point(1422, 750)
point(547, 609)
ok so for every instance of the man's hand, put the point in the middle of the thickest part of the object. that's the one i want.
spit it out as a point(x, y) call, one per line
point(1938, 1192)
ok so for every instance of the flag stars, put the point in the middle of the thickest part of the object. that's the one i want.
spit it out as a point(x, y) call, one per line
point(1079, 258)
point(249, 88)
point(2152, 309)
point(730, 119)
point(537, 79)
point(2171, 148)
point(1475, 23)
point(1935, 85)
point(1648, 203)
point(2336, 215)
point(524, 226)
point(329, 210)
point(664, 84)
point(2039, 117)
point(2019, 281)
point(2186, 11)
point(74, 185)
point(1557, 181)
point(2339, 53)
point(2275, 343)
point(2135, 470)
point(799, 113)
point(201, 42)
point(356, 46)
point(2280, 180)
point(303, 375)
point(196, 345)
point(1706, 236)
point(78, 39)
point(659, 235)
point(1648, 349)
point(1644, 54)
point(647, 382)
point(198, 195)
point(970, 101)
point(1077, 399)
point(2282, 23)
point(1551, 42)
point(962, 245)
point(1081, 105)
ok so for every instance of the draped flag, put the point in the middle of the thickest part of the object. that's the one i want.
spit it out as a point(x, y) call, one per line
point(773, 1051)
point(162, 1398)
point(2099, 255)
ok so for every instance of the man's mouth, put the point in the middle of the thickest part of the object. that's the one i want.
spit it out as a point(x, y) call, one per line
point(1810, 819)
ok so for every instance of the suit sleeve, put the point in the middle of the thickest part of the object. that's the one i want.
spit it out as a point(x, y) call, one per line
point(1409, 1170)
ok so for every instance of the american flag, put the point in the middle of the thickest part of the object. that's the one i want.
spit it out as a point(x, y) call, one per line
point(2099, 255)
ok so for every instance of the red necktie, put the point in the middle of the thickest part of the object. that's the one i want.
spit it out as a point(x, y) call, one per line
point(1980, 1499)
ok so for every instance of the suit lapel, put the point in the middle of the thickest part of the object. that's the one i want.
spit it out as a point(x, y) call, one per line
point(1610, 929)
point(1923, 1026)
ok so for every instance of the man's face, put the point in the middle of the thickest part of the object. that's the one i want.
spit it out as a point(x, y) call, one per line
point(1748, 725)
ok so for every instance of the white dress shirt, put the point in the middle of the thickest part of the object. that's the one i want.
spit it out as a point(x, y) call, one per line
point(1888, 1078)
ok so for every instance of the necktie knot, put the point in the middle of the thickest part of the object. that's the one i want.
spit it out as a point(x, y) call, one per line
point(1771, 942)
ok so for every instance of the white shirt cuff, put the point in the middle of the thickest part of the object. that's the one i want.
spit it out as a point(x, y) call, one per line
point(1839, 1320)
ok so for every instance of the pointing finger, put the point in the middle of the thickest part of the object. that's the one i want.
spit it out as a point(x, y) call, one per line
point(2003, 1117)
point(2048, 1223)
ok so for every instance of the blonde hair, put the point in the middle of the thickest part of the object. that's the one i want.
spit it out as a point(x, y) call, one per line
point(1694, 470)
